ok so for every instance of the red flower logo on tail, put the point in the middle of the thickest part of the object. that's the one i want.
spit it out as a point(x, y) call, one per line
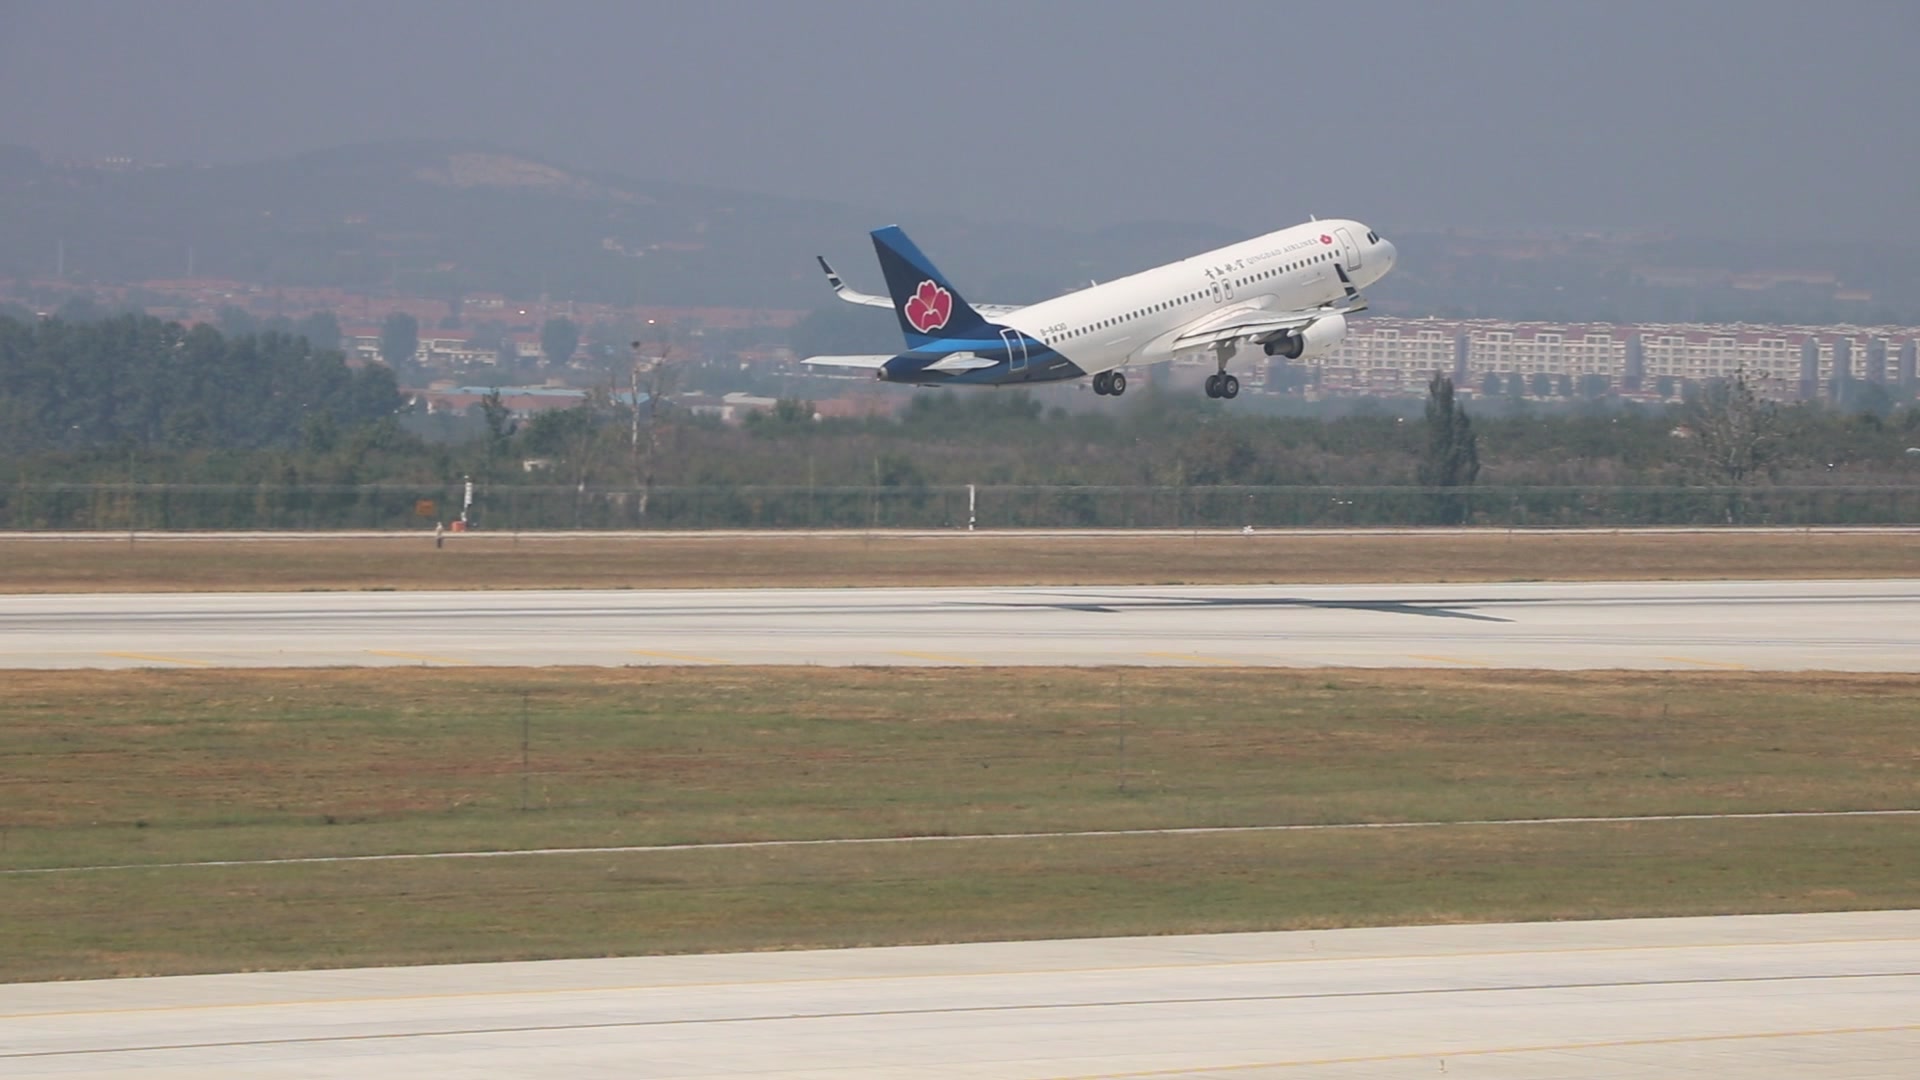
point(929, 307)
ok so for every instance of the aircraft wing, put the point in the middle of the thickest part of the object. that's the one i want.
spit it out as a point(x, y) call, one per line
point(1249, 323)
point(854, 296)
point(1244, 323)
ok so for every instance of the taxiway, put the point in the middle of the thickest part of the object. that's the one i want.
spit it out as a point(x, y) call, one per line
point(1816, 997)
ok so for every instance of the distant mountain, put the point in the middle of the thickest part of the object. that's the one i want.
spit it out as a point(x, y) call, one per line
point(440, 219)
point(436, 218)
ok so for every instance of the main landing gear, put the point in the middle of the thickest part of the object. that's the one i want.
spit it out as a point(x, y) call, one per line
point(1112, 383)
point(1221, 384)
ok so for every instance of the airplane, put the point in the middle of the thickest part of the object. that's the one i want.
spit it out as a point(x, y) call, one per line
point(1287, 292)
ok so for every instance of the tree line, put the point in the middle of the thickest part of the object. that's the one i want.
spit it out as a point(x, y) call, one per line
point(132, 397)
point(134, 384)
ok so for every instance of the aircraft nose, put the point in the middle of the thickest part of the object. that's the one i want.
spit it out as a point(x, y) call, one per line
point(1388, 254)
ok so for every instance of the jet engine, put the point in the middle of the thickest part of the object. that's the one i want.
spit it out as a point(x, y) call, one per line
point(1317, 338)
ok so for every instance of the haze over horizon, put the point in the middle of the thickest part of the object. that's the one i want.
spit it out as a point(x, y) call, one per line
point(1743, 119)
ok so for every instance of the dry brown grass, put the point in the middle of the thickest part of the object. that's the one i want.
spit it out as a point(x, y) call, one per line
point(168, 922)
point(750, 560)
point(146, 767)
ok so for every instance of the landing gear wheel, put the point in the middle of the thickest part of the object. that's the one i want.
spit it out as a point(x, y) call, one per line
point(1116, 383)
point(1102, 384)
point(1213, 386)
point(1229, 386)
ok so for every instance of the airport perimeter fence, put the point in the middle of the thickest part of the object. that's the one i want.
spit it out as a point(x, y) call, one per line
point(181, 507)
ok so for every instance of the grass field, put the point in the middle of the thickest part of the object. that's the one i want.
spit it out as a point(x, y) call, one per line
point(742, 560)
point(149, 767)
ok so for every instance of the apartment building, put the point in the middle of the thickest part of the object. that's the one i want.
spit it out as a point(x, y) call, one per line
point(1399, 356)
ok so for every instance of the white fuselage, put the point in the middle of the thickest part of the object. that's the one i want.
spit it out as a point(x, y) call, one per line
point(1140, 319)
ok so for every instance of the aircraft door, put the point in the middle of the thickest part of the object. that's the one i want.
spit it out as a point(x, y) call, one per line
point(1352, 249)
point(1016, 343)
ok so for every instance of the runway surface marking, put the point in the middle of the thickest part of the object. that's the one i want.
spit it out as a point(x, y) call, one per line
point(147, 658)
point(1196, 830)
point(1461, 660)
point(1725, 665)
point(1195, 658)
point(1442, 1055)
point(657, 654)
point(940, 658)
point(424, 658)
point(1108, 969)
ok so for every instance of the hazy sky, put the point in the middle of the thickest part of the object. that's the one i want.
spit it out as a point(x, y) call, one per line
point(1734, 117)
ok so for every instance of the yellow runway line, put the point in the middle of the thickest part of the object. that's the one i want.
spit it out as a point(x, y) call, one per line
point(1450, 660)
point(160, 659)
point(421, 657)
point(1195, 658)
point(658, 655)
point(1702, 663)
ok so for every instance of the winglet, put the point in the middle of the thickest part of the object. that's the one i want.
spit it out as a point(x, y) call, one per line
point(851, 296)
point(833, 279)
point(1355, 302)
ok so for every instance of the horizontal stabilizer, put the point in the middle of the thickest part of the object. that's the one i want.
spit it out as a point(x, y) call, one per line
point(960, 361)
point(864, 363)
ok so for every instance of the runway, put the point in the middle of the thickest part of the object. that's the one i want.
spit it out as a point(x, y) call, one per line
point(1773, 625)
point(1815, 997)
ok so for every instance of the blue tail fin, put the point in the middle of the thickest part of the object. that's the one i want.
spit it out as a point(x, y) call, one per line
point(929, 307)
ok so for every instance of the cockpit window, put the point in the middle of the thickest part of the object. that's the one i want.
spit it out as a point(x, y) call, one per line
point(1372, 237)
